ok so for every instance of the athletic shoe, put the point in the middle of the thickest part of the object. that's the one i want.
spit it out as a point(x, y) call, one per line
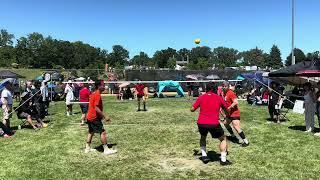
point(245, 144)
point(309, 130)
point(109, 151)
point(88, 150)
point(44, 125)
point(205, 159)
point(138, 110)
point(145, 110)
point(227, 163)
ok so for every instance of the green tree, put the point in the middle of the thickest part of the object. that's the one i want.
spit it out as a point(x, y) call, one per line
point(225, 57)
point(141, 60)
point(254, 57)
point(313, 56)
point(274, 58)
point(7, 51)
point(171, 63)
point(119, 56)
point(299, 57)
point(6, 39)
point(200, 52)
point(161, 57)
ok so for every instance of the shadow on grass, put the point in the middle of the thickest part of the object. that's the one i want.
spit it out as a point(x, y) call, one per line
point(275, 121)
point(302, 128)
point(100, 148)
point(213, 156)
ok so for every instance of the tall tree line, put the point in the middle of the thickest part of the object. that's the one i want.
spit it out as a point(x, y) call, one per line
point(37, 51)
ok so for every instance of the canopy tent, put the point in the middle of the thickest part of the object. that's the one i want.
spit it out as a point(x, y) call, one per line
point(240, 78)
point(256, 76)
point(172, 84)
point(9, 74)
point(39, 78)
point(293, 74)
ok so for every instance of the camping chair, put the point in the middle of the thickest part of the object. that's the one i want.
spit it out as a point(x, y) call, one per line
point(282, 111)
point(23, 120)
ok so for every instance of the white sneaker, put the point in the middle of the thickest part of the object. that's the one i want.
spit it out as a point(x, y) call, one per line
point(317, 134)
point(68, 114)
point(109, 151)
point(88, 150)
point(309, 130)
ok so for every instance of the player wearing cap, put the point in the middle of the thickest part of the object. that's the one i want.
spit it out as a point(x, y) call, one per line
point(95, 117)
point(208, 121)
point(234, 112)
point(139, 90)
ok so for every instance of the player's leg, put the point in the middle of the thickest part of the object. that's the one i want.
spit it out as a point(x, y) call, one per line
point(203, 143)
point(89, 140)
point(223, 146)
point(237, 127)
point(139, 102)
point(103, 137)
point(144, 103)
point(228, 127)
point(29, 119)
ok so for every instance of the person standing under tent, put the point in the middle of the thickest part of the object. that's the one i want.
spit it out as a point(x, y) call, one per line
point(7, 102)
point(140, 93)
point(95, 117)
point(309, 106)
point(45, 96)
point(234, 112)
point(274, 99)
point(68, 91)
point(209, 122)
point(84, 95)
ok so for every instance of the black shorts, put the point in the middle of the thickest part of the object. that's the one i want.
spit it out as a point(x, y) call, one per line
point(140, 96)
point(216, 131)
point(95, 126)
point(84, 108)
point(233, 118)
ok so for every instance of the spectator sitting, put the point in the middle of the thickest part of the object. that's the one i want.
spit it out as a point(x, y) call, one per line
point(25, 111)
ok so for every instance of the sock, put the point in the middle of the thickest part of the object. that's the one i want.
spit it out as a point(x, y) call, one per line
point(203, 151)
point(88, 146)
point(105, 147)
point(144, 105)
point(223, 156)
point(243, 137)
point(229, 128)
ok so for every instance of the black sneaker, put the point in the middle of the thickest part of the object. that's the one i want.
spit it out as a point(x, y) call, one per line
point(138, 110)
point(205, 159)
point(245, 144)
point(145, 110)
point(227, 163)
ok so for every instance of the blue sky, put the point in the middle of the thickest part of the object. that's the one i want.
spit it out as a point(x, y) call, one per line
point(150, 25)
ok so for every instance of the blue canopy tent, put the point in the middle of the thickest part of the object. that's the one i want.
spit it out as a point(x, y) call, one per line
point(172, 84)
point(256, 76)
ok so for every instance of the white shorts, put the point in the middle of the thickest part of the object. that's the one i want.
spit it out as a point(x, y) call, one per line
point(7, 111)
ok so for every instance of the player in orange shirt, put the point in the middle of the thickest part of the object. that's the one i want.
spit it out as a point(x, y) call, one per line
point(94, 119)
point(234, 112)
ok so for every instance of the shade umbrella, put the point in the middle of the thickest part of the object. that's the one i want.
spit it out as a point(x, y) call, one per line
point(39, 78)
point(4, 82)
point(192, 76)
point(80, 79)
point(213, 77)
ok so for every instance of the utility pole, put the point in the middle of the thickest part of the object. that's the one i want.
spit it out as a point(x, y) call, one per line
point(293, 61)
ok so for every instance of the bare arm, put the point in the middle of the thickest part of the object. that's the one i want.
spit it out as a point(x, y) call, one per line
point(234, 103)
point(101, 114)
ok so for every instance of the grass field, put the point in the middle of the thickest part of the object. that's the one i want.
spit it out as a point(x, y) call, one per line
point(159, 144)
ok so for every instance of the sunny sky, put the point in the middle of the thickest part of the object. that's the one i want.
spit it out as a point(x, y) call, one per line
point(150, 25)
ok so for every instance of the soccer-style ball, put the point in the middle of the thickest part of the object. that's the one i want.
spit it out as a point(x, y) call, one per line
point(197, 41)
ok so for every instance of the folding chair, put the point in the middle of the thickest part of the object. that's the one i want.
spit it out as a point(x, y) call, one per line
point(23, 120)
point(282, 111)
